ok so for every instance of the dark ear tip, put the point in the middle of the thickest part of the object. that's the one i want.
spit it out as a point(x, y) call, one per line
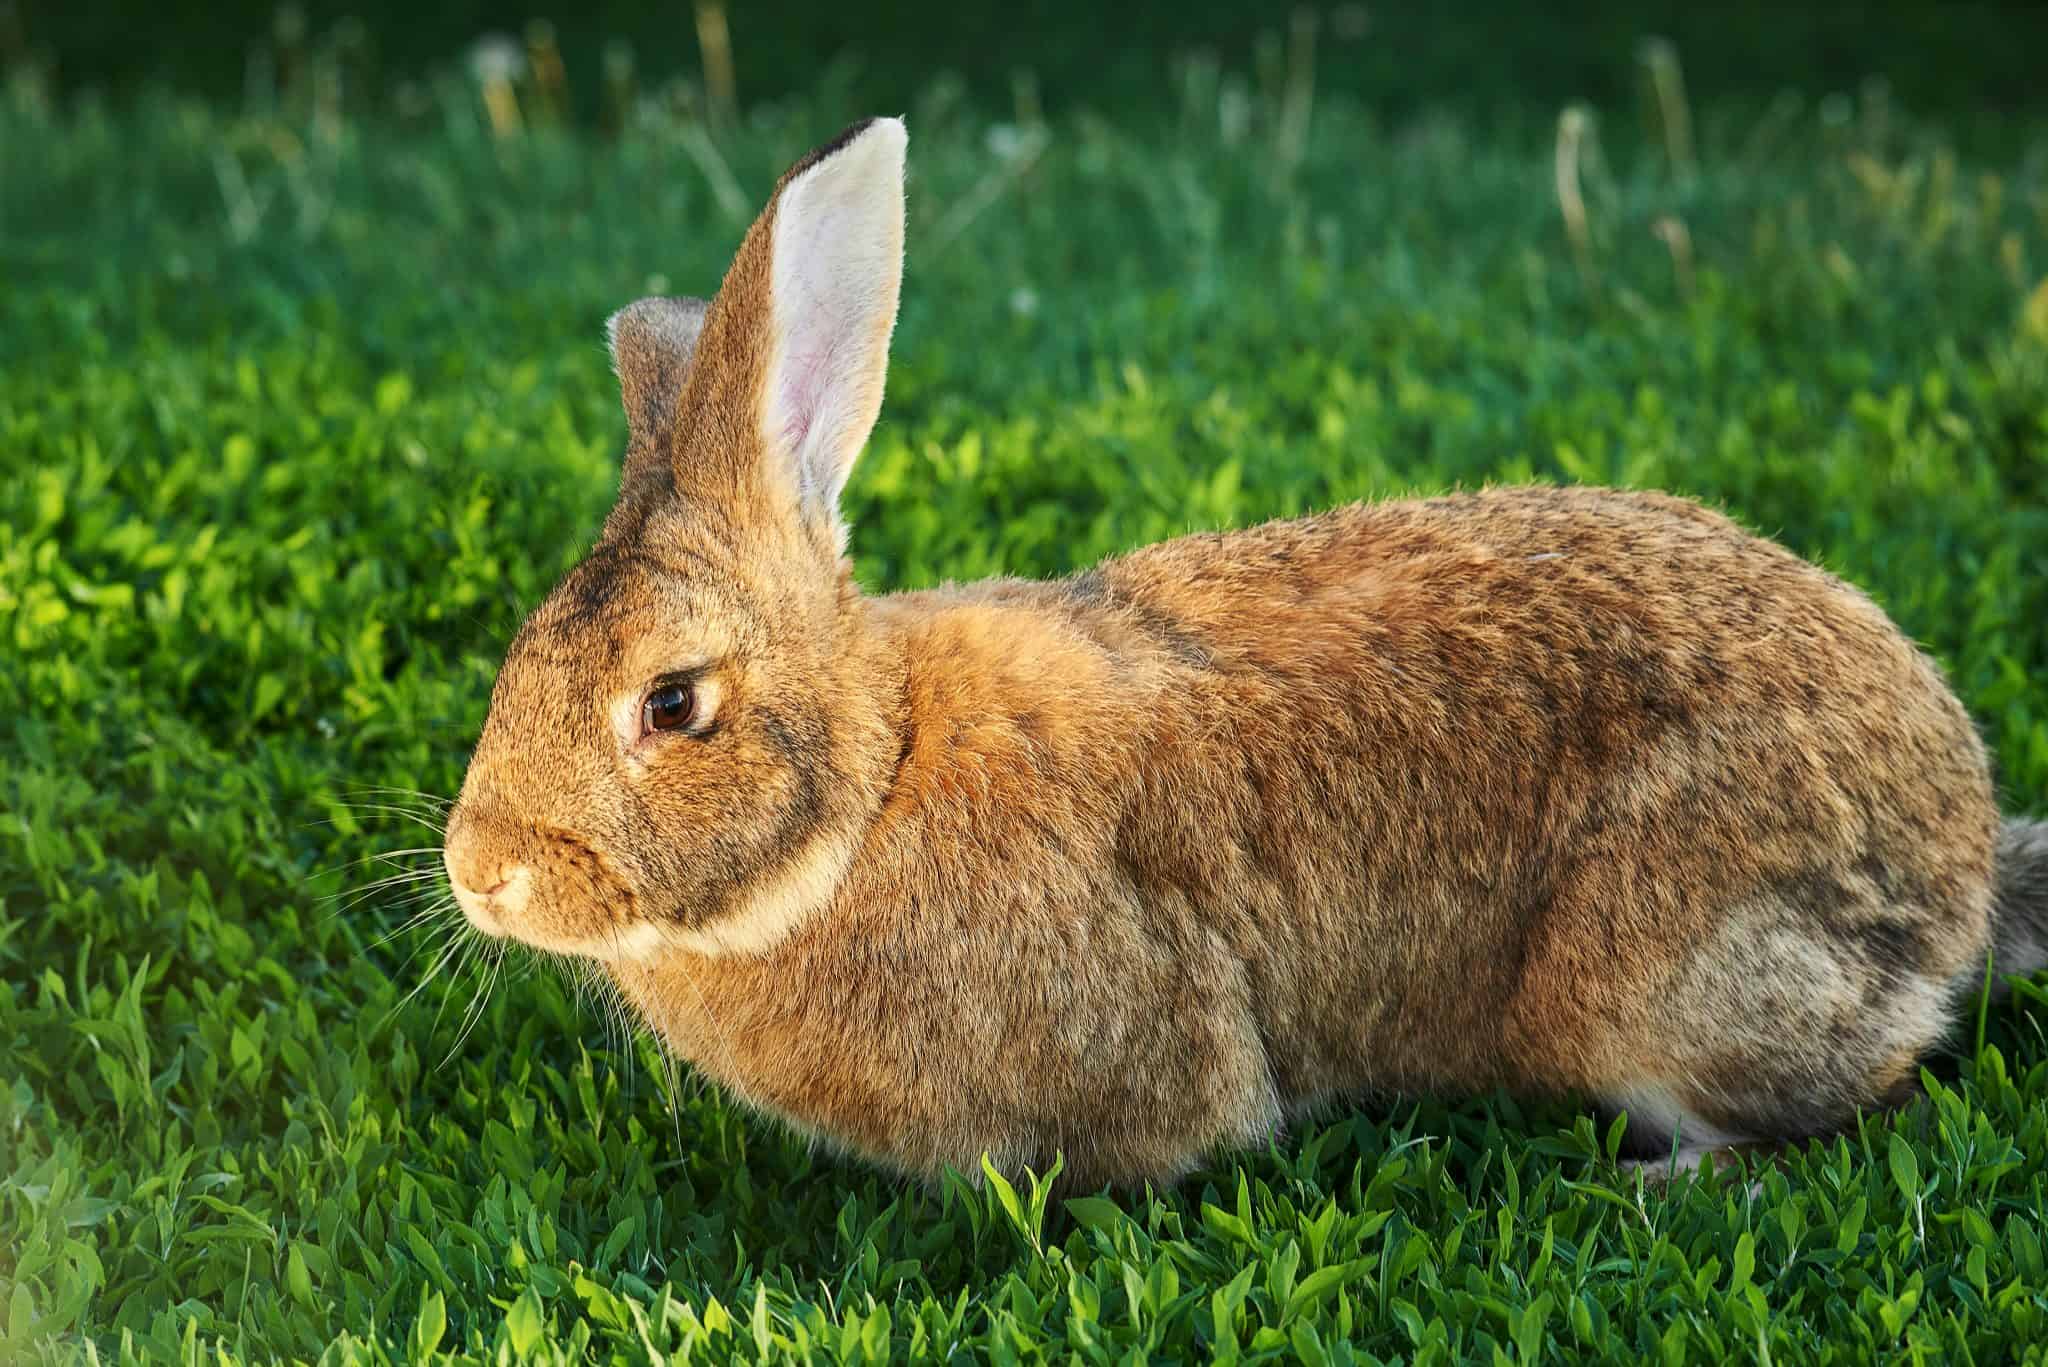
point(839, 143)
point(844, 136)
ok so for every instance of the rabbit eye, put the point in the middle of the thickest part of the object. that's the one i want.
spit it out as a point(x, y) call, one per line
point(672, 707)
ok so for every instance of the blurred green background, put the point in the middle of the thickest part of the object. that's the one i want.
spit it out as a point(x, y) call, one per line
point(1977, 57)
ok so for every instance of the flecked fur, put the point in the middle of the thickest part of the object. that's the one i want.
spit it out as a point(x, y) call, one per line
point(1559, 790)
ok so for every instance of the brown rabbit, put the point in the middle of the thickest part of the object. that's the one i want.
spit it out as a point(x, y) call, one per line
point(1559, 790)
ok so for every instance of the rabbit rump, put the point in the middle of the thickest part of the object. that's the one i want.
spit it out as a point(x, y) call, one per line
point(1568, 791)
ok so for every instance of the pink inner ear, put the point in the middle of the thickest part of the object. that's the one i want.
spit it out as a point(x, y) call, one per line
point(801, 380)
point(837, 267)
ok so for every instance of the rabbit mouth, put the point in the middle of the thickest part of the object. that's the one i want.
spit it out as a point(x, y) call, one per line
point(544, 887)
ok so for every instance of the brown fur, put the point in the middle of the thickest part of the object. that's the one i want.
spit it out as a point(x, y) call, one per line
point(1547, 789)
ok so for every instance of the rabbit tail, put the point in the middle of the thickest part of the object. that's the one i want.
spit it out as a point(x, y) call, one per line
point(2019, 915)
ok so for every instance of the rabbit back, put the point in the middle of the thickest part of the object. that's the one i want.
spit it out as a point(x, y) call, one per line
point(1632, 798)
point(1557, 790)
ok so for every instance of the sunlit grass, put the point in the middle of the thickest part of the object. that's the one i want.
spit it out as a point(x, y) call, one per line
point(299, 410)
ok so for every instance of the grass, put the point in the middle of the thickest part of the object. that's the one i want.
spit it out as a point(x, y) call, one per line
point(299, 412)
point(1973, 58)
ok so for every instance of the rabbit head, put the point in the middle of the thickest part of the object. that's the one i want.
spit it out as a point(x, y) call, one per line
point(685, 740)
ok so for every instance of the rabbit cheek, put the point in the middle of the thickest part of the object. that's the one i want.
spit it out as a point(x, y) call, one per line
point(587, 908)
point(769, 845)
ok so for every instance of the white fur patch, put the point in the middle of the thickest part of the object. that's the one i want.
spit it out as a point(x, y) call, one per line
point(765, 916)
point(837, 270)
point(758, 921)
point(637, 942)
point(1654, 1110)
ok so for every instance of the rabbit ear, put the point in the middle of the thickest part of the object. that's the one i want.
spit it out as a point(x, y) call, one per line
point(835, 270)
point(652, 343)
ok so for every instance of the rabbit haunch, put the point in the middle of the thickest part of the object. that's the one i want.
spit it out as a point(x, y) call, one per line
point(1559, 790)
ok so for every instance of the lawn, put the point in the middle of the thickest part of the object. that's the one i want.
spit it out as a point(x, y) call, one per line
point(302, 404)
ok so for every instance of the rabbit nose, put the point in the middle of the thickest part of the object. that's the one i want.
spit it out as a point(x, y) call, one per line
point(486, 908)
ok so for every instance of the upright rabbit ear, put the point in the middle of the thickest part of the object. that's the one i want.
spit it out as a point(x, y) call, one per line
point(787, 379)
point(652, 343)
point(835, 271)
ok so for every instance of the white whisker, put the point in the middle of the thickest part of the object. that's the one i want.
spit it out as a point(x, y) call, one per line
point(444, 803)
point(468, 944)
point(388, 809)
point(455, 945)
point(477, 1005)
point(732, 1057)
point(418, 918)
point(355, 897)
point(376, 856)
point(387, 881)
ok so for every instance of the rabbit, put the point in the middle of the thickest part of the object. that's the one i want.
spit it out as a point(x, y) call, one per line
point(1572, 792)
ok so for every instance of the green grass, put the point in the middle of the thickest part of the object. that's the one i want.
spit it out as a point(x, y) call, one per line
point(296, 420)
